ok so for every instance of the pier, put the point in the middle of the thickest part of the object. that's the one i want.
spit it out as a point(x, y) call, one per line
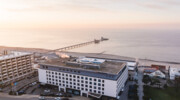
point(96, 41)
point(74, 46)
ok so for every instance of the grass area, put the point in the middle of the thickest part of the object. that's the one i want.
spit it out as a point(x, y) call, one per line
point(169, 93)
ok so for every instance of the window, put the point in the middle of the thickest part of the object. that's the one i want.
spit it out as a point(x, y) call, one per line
point(90, 79)
point(102, 88)
point(82, 77)
point(94, 91)
point(99, 80)
point(94, 83)
point(94, 79)
point(86, 78)
point(94, 87)
point(99, 84)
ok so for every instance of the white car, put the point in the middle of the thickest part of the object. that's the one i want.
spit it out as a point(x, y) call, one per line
point(57, 98)
point(47, 91)
point(42, 98)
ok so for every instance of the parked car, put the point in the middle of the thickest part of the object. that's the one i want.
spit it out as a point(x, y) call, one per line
point(42, 98)
point(21, 92)
point(47, 91)
point(58, 98)
point(59, 94)
point(67, 95)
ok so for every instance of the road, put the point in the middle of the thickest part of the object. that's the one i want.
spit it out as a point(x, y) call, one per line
point(124, 95)
point(5, 96)
point(140, 83)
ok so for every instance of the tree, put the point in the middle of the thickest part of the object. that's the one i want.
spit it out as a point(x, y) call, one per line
point(177, 83)
point(146, 79)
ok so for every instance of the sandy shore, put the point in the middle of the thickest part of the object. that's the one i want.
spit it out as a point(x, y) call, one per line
point(142, 62)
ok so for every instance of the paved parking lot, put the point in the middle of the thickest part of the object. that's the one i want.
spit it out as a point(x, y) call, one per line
point(20, 84)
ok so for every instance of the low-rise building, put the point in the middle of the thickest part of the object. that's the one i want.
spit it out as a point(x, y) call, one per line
point(90, 77)
point(152, 72)
point(174, 72)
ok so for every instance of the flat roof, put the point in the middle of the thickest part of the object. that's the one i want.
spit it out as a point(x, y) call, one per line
point(106, 67)
point(101, 56)
point(13, 54)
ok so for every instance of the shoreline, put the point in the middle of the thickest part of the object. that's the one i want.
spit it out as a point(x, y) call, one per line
point(143, 62)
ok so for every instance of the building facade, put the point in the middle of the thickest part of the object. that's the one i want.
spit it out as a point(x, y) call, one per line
point(15, 66)
point(96, 83)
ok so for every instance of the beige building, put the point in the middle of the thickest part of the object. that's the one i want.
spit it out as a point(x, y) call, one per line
point(15, 66)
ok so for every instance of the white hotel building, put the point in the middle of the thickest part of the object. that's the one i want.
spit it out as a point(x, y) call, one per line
point(98, 78)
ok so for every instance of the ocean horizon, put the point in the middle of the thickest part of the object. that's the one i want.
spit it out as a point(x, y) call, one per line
point(161, 45)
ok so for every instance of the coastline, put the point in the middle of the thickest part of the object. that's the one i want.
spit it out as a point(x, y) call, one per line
point(142, 62)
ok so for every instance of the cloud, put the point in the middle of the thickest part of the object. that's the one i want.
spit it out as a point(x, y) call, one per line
point(153, 6)
point(58, 7)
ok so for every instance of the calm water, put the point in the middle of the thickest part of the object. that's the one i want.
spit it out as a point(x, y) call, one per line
point(151, 44)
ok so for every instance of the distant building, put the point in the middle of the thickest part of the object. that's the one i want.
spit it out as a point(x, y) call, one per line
point(14, 66)
point(149, 70)
point(91, 77)
point(152, 72)
point(174, 72)
point(159, 67)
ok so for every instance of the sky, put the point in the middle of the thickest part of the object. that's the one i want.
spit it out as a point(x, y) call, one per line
point(79, 14)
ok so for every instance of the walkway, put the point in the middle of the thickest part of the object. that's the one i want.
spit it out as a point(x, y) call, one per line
point(140, 84)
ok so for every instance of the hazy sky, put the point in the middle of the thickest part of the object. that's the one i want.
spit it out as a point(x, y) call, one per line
point(70, 14)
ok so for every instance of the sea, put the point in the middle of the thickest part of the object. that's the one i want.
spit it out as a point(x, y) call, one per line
point(161, 45)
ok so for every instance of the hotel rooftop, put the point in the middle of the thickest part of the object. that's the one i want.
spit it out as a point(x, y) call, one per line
point(13, 54)
point(88, 64)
